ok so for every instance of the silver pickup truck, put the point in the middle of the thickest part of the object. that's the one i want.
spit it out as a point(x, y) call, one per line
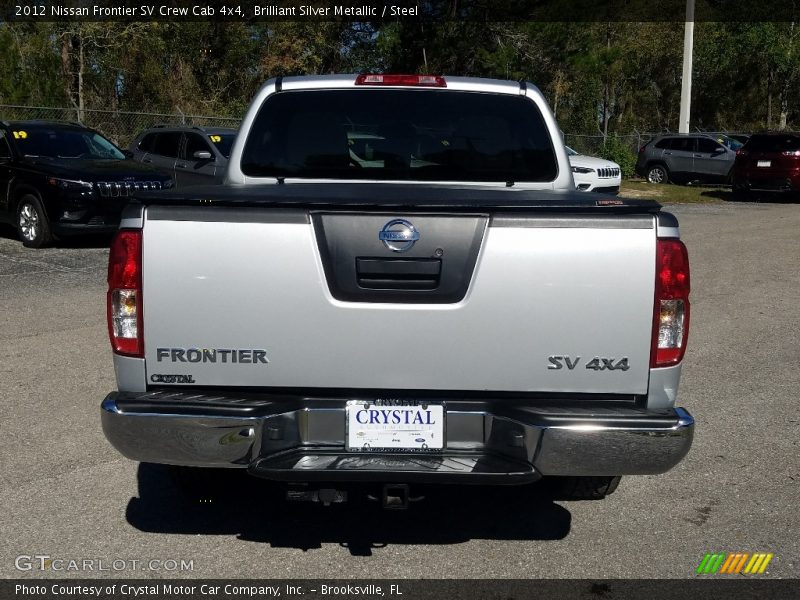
point(399, 284)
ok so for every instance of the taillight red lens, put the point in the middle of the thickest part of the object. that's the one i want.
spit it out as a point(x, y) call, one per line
point(671, 310)
point(124, 300)
point(415, 80)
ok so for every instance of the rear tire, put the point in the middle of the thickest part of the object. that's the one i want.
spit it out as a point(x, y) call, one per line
point(587, 488)
point(657, 174)
point(32, 224)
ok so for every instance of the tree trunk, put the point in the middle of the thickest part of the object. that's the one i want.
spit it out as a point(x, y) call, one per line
point(784, 95)
point(72, 65)
point(81, 103)
point(784, 101)
point(67, 67)
point(606, 90)
point(769, 98)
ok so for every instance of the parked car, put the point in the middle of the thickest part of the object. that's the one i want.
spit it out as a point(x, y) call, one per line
point(688, 158)
point(194, 155)
point(60, 178)
point(594, 174)
point(768, 162)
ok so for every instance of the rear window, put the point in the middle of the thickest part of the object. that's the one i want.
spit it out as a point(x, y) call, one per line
point(773, 143)
point(413, 135)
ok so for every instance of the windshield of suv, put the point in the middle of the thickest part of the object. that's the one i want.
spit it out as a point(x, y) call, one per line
point(774, 143)
point(66, 143)
point(223, 142)
point(417, 135)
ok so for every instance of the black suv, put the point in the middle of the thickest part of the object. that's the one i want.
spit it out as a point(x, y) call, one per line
point(62, 178)
point(194, 155)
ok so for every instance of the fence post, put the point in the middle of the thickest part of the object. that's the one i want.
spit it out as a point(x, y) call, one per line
point(183, 116)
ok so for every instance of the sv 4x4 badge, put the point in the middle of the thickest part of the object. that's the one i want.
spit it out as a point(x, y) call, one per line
point(598, 363)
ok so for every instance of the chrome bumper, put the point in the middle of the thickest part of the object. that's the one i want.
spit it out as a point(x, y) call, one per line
point(298, 438)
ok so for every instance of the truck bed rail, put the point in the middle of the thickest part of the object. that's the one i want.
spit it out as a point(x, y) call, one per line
point(362, 196)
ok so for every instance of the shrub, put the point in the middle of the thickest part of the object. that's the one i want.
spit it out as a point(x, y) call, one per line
point(617, 150)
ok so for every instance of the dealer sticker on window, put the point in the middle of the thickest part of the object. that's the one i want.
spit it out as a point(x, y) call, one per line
point(392, 425)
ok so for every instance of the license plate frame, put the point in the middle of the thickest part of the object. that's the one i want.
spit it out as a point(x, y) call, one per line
point(764, 163)
point(424, 433)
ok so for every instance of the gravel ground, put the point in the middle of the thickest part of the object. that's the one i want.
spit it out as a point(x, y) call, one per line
point(66, 493)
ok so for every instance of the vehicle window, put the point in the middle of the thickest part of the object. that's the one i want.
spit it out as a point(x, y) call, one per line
point(66, 143)
point(196, 143)
point(706, 145)
point(729, 142)
point(147, 142)
point(166, 144)
point(400, 134)
point(682, 144)
point(223, 142)
point(5, 150)
point(570, 151)
point(665, 143)
point(773, 143)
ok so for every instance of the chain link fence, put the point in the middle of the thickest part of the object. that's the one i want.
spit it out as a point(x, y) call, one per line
point(593, 144)
point(121, 127)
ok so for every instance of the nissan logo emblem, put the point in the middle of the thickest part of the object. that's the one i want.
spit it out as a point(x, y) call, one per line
point(398, 235)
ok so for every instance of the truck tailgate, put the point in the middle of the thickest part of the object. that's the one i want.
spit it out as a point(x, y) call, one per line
point(283, 298)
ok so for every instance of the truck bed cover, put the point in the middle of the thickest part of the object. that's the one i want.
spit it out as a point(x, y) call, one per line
point(361, 196)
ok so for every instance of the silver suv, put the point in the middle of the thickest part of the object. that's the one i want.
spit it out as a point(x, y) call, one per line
point(193, 155)
point(688, 158)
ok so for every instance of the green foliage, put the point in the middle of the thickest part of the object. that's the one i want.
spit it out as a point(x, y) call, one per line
point(599, 78)
point(621, 153)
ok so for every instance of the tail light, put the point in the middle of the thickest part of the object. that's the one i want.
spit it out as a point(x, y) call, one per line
point(641, 150)
point(125, 293)
point(741, 152)
point(791, 153)
point(413, 80)
point(671, 310)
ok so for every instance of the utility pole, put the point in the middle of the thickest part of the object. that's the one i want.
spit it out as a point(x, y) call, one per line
point(686, 83)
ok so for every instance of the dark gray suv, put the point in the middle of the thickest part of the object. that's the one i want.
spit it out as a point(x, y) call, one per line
point(194, 155)
point(687, 158)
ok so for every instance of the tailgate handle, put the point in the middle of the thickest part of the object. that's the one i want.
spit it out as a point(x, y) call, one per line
point(398, 273)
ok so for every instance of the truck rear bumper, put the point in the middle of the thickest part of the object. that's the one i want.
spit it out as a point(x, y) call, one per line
point(297, 438)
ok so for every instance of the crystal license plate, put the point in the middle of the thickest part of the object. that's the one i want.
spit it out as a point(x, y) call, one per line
point(385, 426)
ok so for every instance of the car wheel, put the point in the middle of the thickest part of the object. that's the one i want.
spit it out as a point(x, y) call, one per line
point(586, 488)
point(657, 174)
point(32, 223)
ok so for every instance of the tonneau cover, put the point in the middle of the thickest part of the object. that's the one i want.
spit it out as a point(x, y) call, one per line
point(418, 196)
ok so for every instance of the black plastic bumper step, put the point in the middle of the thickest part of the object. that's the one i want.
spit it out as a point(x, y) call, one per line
point(305, 465)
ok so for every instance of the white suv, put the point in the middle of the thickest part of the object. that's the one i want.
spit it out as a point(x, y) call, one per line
point(594, 174)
